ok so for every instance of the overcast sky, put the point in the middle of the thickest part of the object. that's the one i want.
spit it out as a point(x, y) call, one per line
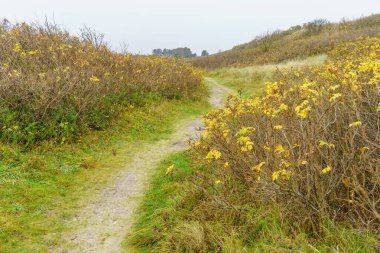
point(199, 24)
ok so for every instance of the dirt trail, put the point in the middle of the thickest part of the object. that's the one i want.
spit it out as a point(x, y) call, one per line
point(104, 222)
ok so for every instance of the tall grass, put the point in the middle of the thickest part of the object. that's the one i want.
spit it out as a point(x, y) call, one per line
point(250, 81)
point(55, 86)
point(310, 39)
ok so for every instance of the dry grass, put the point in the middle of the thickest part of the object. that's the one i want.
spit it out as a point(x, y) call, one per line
point(312, 39)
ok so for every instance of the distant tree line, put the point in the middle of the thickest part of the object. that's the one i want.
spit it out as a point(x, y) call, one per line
point(181, 52)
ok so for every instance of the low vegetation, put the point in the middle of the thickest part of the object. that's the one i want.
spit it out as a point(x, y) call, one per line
point(71, 113)
point(250, 81)
point(313, 38)
point(295, 170)
point(55, 86)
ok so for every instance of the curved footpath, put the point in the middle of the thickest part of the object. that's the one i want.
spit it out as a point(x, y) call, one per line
point(104, 222)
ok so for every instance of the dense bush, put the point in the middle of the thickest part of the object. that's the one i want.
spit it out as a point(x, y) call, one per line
point(313, 38)
point(311, 143)
point(54, 85)
point(296, 170)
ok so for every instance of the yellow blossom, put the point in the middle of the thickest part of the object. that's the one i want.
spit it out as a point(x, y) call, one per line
point(278, 127)
point(17, 47)
point(326, 170)
point(169, 169)
point(94, 79)
point(258, 167)
point(213, 154)
point(304, 112)
point(335, 97)
point(33, 52)
point(354, 124)
point(324, 143)
point(279, 149)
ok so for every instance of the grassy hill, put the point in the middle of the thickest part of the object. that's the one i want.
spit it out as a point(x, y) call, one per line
point(310, 39)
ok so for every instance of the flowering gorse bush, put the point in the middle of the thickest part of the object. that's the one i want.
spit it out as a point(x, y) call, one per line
point(311, 143)
point(53, 84)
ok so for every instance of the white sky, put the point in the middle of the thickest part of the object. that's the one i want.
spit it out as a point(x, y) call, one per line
point(199, 24)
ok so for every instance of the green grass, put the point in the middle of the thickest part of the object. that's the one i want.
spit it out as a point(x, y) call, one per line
point(158, 198)
point(250, 81)
point(41, 188)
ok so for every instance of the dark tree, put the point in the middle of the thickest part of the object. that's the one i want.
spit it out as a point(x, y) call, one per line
point(181, 52)
point(205, 53)
point(157, 52)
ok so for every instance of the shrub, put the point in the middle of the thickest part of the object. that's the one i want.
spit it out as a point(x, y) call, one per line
point(310, 144)
point(54, 85)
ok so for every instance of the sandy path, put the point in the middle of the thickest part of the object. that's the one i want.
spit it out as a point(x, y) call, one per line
point(105, 221)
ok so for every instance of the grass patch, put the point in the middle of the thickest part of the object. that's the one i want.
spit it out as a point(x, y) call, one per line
point(40, 189)
point(159, 198)
point(250, 81)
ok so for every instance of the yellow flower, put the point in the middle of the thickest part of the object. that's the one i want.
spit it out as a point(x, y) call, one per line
point(279, 149)
point(225, 133)
point(354, 124)
point(334, 87)
point(285, 174)
point(324, 143)
point(285, 163)
point(213, 154)
point(275, 175)
point(226, 165)
point(304, 112)
point(258, 167)
point(278, 127)
point(335, 97)
point(326, 170)
point(17, 47)
point(33, 52)
point(378, 108)
point(94, 79)
point(245, 130)
point(283, 107)
point(248, 146)
point(169, 169)
point(218, 182)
